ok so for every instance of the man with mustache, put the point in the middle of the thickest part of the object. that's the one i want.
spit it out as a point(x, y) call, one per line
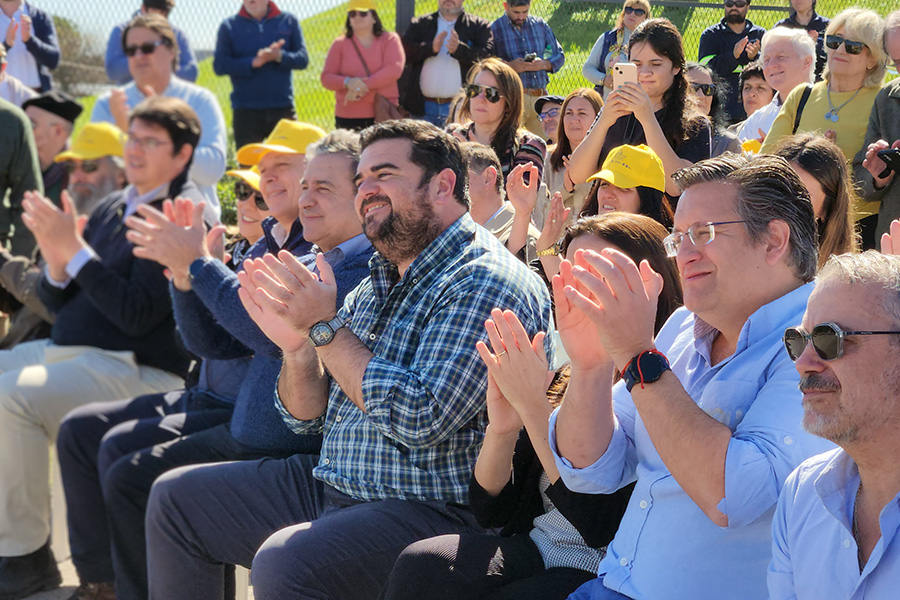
point(835, 529)
point(402, 410)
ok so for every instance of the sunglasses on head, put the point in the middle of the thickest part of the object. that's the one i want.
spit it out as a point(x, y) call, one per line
point(738, 3)
point(357, 13)
point(148, 48)
point(86, 166)
point(707, 89)
point(827, 340)
point(834, 42)
point(244, 192)
point(491, 94)
point(640, 12)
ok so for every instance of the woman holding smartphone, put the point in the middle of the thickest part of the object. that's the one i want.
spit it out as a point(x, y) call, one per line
point(654, 110)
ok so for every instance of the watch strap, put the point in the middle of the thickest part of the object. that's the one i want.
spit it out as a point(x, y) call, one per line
point(646, 367)
point(551, 251)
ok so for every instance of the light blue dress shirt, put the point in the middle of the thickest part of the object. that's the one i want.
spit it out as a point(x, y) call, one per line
point(209, 156)
point(666, 547)
point(814, 553)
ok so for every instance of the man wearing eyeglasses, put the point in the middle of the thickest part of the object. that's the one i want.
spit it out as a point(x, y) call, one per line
point(529, 46)
point(52, 116)
point(727, 47)
point(707, 417)
point(440, 49)
point(152, 50)
point(834, 533)
point(547, 109)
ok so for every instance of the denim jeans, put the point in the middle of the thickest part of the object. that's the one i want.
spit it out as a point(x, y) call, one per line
point(436, 114)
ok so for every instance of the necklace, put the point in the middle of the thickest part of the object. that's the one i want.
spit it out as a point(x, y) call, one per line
point(832, 114)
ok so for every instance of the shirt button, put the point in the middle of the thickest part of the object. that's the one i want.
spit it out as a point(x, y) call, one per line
point(372, 336)
point(623, 561)
point(846, 543)
point(339, 418)
point(326, 461)
point(644, 504)
point(415, 280)
point(788, 440)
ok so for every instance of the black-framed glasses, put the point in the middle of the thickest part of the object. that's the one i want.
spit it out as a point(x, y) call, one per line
point(243, 192)
point(491, 94)
point(707, 89)
point(834, 42)
point(700, 234)
point(639, 12)
point(827, 340)
point(148, 48)
point(146, 143)
point(549, 114)
point(738, 3)
point(85, 166)
point(357, 13)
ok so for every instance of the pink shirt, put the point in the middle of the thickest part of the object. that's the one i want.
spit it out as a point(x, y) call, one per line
point(385, 59)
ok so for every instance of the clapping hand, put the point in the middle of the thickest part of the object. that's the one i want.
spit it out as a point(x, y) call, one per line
point(523, 195)
point(56, 231)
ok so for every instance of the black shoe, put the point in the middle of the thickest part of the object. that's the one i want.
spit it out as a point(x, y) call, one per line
point(22, 576)
point(95, 591)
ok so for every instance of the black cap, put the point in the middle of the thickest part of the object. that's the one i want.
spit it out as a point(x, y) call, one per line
point(57, 102)
point(540, 102)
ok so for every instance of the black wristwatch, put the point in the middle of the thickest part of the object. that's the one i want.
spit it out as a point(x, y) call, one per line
point(323, 332)
point(646, 367)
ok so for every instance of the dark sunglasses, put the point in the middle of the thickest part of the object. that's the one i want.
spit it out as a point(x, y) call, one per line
point(827, 340)
point(834, 42)
point(738, 3)
point(707, 89)
point(357, 13)
point(491, 94)
point(148, 48)
point(243, 192)
point(86, 166)
point(640, 12)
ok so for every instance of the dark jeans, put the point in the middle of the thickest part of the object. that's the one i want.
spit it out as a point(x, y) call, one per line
point(485, 567)
point(303, 539)
point(352, 124)
point(252, 126)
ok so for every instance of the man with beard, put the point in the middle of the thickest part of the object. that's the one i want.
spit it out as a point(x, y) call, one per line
point(728, 47)
point(95, 170)
point(834, 534)
point(402, 408)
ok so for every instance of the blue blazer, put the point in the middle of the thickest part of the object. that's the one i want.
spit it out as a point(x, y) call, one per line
point(43, 45)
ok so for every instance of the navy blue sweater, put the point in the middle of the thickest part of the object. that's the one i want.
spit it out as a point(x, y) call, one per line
point(119, 302)
point(213, 307)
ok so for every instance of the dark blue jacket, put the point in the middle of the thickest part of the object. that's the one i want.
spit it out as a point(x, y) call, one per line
point(229, 332)
point(717, 50)
point(240, 38)
point(43, 45)
point(119, 302)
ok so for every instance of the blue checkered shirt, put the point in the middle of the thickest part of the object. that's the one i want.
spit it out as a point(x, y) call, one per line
point(425, 387)
point(535, 36)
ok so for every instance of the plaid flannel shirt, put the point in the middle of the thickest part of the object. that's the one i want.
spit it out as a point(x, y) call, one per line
point(535, 36)
point(424, 390)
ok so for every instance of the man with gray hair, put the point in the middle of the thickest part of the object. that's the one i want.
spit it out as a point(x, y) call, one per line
point(835, 528)
point(878, 182)
point(707, 415)
point(788, 59)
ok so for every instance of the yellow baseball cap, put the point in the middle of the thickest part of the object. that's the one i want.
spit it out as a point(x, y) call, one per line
point(95, 140)
point(250, 176)
point(361, 5)
point(288, 137)
point(632, 166)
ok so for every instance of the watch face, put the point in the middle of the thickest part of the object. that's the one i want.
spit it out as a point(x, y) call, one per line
point(320, 334)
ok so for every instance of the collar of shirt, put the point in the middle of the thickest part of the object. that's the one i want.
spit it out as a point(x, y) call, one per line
point(133, 199)
point(273, 12)
point(344, 250)
point(279, 233)
point(837, 485)
point(503, 217)
point(748, 25)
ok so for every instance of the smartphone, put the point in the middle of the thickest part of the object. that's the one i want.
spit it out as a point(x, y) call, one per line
point(531, 57)
point(624, 73)
point(891, 157)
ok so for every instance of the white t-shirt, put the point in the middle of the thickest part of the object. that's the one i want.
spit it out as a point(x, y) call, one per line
point(440, 76)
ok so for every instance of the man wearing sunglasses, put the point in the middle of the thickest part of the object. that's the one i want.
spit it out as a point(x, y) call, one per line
point(152, 50)
point(52, 116)
point(707, 417)
point(834, 533)
point(440, 50)
point(728, 47)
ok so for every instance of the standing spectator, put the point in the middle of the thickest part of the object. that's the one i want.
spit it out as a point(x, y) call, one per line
point(149, 43)
point(32, 50)
point(528, 45)
point(612, 47)
point(20, 172)
point(52, 116)
point(709, 94)
point(788, 59)
point(117, 61)
point(840, 104)
point(361, 64)
point(547, 109)
point(440, 50)
point(259, 48)
point(727, 47)
point(12, 89)
point(805, 18)
point(879, 184)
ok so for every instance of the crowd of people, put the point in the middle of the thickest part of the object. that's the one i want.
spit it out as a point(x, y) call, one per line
point(477, 341)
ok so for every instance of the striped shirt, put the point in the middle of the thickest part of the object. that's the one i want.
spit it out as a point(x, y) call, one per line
point(535, 36)
point(424, 389)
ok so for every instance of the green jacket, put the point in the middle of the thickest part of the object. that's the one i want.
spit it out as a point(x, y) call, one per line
point(19, 173)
